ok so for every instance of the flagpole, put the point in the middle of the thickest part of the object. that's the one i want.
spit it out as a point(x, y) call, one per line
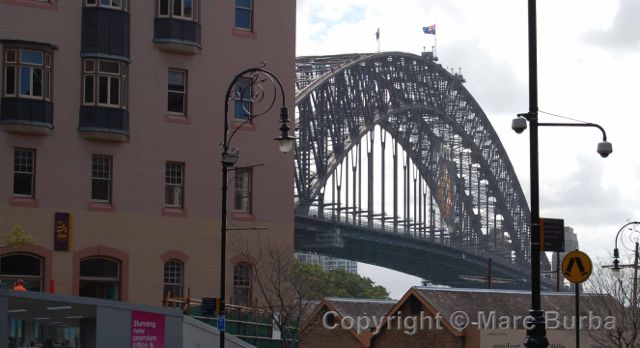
point(435, 45)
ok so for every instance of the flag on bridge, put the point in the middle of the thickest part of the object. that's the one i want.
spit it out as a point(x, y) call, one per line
point(430, 29)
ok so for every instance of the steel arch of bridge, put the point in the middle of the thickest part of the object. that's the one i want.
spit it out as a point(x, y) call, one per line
point(439, 125)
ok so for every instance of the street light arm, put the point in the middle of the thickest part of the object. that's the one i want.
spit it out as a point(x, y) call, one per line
point(604, 134)
point(621, 229)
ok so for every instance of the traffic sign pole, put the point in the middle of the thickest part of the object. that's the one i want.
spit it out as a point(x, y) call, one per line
point(577, 315)
point(577, 267)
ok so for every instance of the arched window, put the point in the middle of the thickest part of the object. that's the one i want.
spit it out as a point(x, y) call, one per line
point(100, 278)
point(173, 278)
point(242, 284)
point(21, 266)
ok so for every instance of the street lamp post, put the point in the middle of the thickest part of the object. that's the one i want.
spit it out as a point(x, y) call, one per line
point(617, 266)
point(257, 77)
point(536, 332)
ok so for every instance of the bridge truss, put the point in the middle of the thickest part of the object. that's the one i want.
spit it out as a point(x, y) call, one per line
point(395, 143)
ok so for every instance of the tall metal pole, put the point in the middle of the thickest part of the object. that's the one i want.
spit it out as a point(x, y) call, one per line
point(228, 161)
point(536, 333)
point(223, 243)
point(557, 271)
point(577, 323)
point(635, 280)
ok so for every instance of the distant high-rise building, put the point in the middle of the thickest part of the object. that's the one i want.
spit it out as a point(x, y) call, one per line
point(328, 263)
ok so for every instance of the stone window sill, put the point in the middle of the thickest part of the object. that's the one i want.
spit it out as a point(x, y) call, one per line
point(26, 202)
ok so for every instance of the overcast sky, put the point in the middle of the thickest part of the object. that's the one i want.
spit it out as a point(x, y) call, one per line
point(588, 66)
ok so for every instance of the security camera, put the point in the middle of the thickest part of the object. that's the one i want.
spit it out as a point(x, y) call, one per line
point(605, 148)
point(519, 124)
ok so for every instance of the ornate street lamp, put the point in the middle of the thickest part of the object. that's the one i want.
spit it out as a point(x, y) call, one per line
point(248, 97)
point(616, 267)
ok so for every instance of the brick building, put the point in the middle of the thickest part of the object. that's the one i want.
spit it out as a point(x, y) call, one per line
point(314, 334)
point(475, 318)
point(449, 318)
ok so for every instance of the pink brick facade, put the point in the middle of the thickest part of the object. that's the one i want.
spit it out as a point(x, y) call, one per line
point(136, 228)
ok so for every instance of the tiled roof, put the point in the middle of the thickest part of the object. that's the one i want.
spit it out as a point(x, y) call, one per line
point(446, 301)
point(355, 307)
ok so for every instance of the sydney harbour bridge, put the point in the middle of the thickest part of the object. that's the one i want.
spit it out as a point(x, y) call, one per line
point(398, 166)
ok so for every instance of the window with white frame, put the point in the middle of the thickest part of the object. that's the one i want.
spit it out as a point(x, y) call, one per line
point(181, 9)
point(101, 172)
point(112, 4)
point(173, 278)
point(105, 83)
point(242, 284)
point(177, 89)
point(243, 185)
point(244, 14)
point(174, 185)
point(242, 96)
point(24, 169)
point(27, 73)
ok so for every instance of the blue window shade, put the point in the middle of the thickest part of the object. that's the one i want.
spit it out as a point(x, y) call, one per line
point(241, 112)
point(25, 81)
point(243, 14)
point(31, 57)
point(242, 99)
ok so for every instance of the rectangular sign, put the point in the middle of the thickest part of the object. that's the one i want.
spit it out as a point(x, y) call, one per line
point(551, 234)
point(147, 330)
point(63, 231)
point(222, 324)
point(209, 306)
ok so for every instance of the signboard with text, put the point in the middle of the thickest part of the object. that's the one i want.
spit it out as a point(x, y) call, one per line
point(147, 330)
point(551, 234)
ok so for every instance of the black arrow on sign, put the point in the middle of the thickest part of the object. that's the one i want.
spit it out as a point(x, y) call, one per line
point(578, 262)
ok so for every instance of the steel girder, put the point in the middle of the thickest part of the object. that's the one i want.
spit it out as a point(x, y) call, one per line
point(428, 111)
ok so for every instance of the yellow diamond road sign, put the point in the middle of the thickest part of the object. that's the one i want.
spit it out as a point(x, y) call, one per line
point(577, 266)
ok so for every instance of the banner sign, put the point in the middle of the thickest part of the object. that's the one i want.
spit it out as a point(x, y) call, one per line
point(147, 330)
point(446, 194)
point(63, 231)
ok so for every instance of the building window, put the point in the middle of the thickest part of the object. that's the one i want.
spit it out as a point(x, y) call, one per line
point(113, 4)
point(243, 185)
point(242, 96)
point(244, 14)
point(174, 185)
point(27, 73)
point(100, 278)
point(173, 276)
point(24, 168)
point(101, 173)
point(21, 266)
point(105, 83)
point(242, 284)
point(182, 9)
point(177, 98)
